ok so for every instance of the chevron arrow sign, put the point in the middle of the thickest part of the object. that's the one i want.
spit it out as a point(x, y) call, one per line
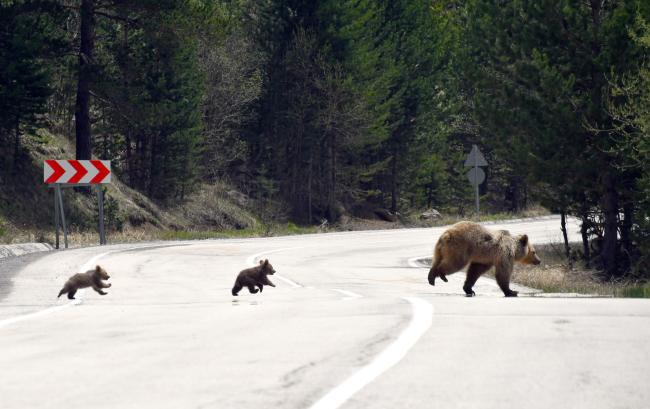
point(77, 171)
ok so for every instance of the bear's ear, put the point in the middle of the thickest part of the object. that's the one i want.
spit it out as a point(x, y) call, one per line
point(266, 262)
point(97, 268)
point(523, 239)
point(261, 262)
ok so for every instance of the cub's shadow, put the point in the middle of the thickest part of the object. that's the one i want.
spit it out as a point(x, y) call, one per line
point(236, 303)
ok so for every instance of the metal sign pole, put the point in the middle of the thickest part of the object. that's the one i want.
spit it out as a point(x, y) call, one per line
point(65, 228)
point(100, 200)
point(476, 175)
point(56, 216)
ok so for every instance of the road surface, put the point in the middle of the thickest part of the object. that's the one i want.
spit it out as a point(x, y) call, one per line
point(352, 323)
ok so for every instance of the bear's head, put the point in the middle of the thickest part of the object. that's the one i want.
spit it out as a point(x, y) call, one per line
point(267, 268)
point(101, 273)
point(526, 253)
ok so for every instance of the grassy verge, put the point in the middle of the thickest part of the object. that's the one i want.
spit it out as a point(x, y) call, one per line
point(261, 231)
point(556, 275)
point(132, 235)
point(413, 220)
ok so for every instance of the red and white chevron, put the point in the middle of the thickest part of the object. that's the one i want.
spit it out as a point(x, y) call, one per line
point(77, 171)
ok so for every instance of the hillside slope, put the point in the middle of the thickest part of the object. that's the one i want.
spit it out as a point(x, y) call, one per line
point(27, 204)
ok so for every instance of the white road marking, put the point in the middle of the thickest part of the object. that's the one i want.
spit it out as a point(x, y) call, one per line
point(79, 296)
point(420, 323)
point(36, 314)
point(349, 294)
point(252, 261)
point(287, 281)
point(413, 262)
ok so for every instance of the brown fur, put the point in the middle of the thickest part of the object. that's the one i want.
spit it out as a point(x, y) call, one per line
point(254, 277)
point(91, 278)
point(468, 243)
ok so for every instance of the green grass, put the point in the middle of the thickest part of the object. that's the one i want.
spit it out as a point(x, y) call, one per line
point(636, 291)
point(261, 231)
point(3, 229)
point(413, 219)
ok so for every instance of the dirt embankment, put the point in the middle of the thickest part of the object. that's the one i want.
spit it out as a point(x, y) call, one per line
point(27, 204)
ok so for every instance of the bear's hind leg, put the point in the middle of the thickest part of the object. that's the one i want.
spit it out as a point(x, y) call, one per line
point(474, 271)
point(445, 267)
point(252, 289)
point(237, 288)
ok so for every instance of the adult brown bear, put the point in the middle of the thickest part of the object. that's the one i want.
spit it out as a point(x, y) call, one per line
point(468, 243)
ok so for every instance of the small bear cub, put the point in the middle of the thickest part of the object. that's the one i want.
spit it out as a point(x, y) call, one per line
point(254, 277)
point(91, 278)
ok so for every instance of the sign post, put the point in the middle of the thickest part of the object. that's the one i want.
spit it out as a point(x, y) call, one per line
point(73, 173)
point(476, 175)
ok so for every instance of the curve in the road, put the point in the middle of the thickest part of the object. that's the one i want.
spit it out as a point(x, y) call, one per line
point(252, 262)
point(420, 323)
point(79, 296)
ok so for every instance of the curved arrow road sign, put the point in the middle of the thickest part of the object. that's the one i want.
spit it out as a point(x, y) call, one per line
point(77, 171)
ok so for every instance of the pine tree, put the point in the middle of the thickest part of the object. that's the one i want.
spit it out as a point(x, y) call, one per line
point(28, 41)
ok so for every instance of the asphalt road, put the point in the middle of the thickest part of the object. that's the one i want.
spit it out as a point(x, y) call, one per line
point(352, 323)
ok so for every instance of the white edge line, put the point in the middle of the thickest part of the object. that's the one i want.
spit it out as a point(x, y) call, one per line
point(287, 281)
point(252, 261)
point(79, 296)
point(420, 323)
point(349, 294)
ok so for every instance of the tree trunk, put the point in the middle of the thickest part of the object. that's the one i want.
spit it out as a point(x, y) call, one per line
point(610, 237)
point(567, 249)
point(152, 167)
point(626, 226)
point(129, 166)
point(393, 183)
point(309, 188)
point(16, 146)
point(331, 197)
point(82, 107)
point(585, 238)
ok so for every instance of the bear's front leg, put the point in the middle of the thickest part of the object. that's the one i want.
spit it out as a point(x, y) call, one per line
point(503, 272)
point(511, 293)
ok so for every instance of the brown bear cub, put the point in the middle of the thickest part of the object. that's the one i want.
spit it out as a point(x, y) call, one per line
point(254, 277)
point(468, 243)
point(91, 278)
